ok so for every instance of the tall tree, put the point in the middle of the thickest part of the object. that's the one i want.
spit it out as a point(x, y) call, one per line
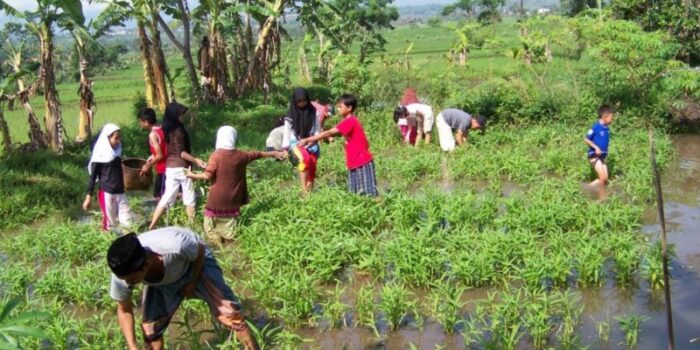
point(681, 19)
point(363, 21)
point(573, 7)
point(41, 22)
point(37, 138)
point(146, 14)
point(180, 11)
point(9, 92)
point(85, 37)
point(485, 8)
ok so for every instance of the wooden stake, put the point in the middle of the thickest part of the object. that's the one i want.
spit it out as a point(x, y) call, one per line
point(664, 250)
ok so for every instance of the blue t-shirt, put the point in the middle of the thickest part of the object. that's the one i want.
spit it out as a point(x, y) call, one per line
point(600, 135)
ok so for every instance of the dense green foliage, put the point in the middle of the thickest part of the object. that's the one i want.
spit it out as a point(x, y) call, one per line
point(502, 213)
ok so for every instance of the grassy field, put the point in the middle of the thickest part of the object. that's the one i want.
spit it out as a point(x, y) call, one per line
point(498, 217)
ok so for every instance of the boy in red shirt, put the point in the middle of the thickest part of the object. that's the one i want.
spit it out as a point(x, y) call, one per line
point(358, 159)
point(157, 145)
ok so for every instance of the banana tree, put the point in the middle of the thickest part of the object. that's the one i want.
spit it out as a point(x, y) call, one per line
point(84, 37)
point(37, 138)
point(216, 19)
point(8, 93)
point(146, 13)
point(42, 22)
point(463, 43)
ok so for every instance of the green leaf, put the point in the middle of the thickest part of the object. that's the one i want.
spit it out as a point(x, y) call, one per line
point(73, 8)
point(23, 330)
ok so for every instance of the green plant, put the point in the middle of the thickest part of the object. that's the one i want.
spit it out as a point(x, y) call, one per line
point(14, 328)
point(395, 304)
point(630, 325)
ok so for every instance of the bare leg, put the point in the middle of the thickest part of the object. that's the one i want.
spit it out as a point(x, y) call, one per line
point(602, 170)
point(156, 216)
point(155, 345)
point(190, 214)
point(427, 138)
point(304, 184)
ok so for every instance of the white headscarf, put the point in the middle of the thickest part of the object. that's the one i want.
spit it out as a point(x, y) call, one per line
point(226, 137)
point(103, 151)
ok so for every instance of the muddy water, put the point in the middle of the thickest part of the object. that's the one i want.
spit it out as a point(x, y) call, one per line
point(681, 184)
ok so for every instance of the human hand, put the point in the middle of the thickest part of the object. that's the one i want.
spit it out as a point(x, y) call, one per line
point(144, 169)
point(86, 203)
point(188, 172)
point(302, 142)
point(280, 155)
point(201, 163)
point(598, 151)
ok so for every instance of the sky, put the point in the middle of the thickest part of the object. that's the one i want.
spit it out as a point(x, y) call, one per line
point(92, 10)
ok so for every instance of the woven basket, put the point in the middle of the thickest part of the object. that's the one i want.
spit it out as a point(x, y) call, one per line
point(132, 179)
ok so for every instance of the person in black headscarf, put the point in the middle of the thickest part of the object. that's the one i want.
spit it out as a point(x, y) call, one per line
point(178, 157)
point(301, 122)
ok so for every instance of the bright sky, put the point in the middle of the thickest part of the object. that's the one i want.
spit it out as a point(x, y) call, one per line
point(90, 10)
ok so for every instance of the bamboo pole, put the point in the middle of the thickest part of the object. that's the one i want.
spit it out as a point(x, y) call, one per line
point(664, 250)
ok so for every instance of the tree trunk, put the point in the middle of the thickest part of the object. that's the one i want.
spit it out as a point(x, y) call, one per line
point(463, 57)
point(37, 138)
point(304, 64)
point(52, 118)
point(257, 55)
point(5, 131)
point(87, 102)
point(184, 46)
point(220, 68)
point(159, 66)
point(147, 63)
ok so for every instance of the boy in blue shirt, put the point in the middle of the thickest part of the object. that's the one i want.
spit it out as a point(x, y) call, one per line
point(597, 140)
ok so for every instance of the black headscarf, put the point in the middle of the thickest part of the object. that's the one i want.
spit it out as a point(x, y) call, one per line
point(171, 122)
point(302, 119)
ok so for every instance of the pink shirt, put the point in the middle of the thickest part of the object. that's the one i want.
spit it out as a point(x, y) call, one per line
point(357, 151)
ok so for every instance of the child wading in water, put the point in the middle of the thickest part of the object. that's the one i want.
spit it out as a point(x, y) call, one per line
point(177, 160)
point(597, 139)
point(106, 166)
point(302, 122)
point(226, 170)
point(158, 148)
point(358, 159)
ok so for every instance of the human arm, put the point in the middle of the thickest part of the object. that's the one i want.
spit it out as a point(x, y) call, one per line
point(461, 137)
point(320, 136)
point(198, 176)
point(197, 267)
point(593, 145)
point(153, 140)
point(125, 317)
point(276, 154)
point(192, 159)
point(92, 179)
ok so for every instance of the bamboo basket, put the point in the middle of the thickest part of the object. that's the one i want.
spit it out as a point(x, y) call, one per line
point(132, 179)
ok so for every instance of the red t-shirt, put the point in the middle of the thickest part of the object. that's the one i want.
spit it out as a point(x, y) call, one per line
point(357, 151)
point(160, 166)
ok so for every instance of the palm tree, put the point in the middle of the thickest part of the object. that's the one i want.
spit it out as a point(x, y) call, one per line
point(49, 13)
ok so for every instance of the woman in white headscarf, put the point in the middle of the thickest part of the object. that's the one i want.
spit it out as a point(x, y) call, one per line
point(105, 166)
point(226, 169)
